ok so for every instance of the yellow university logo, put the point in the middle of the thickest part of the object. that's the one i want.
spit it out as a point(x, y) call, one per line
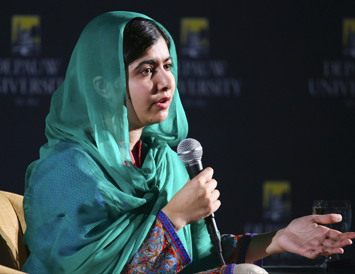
point(349, 37)
point(25, 35)
point(277, 201)
point(194, 37)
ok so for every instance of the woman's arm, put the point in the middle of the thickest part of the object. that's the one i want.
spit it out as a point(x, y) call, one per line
point(305, 236)
point(260, 246)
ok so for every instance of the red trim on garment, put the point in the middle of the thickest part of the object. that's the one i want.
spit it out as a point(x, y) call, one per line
point(139, 164)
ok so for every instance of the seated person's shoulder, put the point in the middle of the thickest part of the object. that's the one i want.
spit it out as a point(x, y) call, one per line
point(67, 165)
point(66, 155)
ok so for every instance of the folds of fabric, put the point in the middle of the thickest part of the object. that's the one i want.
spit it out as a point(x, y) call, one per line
point(78, 216)
point(87, 207)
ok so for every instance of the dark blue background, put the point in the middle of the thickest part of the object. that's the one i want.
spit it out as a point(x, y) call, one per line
point(275, 130)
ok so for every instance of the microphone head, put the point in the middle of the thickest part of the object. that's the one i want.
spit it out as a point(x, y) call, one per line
point(189, 150)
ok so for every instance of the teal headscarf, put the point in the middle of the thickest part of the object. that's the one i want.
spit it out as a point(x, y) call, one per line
point(76, 105)
point(59, 202)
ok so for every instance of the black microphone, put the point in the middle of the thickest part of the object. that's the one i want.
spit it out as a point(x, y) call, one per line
point(190, 153)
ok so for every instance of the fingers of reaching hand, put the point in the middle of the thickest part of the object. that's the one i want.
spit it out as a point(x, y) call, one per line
point(337, 239)
point(334, 234)
point(330, 238)
point(331, 250)
point(347, 235)
point(327, 243)
point(319, 247)
point(331, 246)
point(327, 218)
point(321, 251)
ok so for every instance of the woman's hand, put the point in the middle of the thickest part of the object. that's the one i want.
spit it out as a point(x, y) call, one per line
point(307, 237)
point(195, 201)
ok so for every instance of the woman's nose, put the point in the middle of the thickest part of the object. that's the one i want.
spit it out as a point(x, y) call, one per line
point(165, 80)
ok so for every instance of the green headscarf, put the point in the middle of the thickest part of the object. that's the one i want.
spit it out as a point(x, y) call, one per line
point(76, 105)
point(133, 195)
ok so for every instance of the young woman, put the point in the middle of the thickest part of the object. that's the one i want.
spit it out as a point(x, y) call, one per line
point(109, 195)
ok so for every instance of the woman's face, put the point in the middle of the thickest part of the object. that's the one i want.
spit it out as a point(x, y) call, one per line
point(151, 87)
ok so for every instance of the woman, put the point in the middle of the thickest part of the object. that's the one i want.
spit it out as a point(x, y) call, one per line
point(108, 194)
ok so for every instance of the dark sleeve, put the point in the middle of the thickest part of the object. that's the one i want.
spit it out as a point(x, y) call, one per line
point(235, 248)
point(204, 254)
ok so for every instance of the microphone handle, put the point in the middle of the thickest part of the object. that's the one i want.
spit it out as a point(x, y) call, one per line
point(194, 168)
point(215, 239)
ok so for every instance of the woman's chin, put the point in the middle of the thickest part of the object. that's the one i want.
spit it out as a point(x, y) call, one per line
point(159, 119)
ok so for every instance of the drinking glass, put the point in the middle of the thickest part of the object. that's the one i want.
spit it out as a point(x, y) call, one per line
point(342, 207)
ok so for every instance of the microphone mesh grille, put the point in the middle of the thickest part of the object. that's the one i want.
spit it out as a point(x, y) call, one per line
point(189, 150)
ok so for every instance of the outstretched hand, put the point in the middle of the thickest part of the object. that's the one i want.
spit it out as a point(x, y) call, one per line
point(308, 237)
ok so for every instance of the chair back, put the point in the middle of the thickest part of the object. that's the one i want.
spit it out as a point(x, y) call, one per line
point(13, 252)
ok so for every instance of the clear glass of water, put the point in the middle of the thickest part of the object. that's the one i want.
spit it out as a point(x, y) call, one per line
point(342, 207)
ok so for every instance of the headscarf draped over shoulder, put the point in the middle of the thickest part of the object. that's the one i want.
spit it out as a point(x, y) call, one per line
point(133, 195)
point(76, 105)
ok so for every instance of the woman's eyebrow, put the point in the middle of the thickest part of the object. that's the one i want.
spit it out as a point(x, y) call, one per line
point(152, 62)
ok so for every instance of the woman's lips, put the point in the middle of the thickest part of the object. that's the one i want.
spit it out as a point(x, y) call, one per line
point(163, 103)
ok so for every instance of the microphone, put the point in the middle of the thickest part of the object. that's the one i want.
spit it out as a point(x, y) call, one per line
point(190, 153)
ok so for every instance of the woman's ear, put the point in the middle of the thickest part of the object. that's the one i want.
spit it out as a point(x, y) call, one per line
point(102, 87)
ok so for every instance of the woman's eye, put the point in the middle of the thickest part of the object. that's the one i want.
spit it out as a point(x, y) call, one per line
point(146, 71)
point(168, 66)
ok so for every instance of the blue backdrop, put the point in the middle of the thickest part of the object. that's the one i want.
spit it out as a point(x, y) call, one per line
point(268, 88)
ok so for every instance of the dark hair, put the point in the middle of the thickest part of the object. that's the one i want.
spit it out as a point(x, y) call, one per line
point(139, 35)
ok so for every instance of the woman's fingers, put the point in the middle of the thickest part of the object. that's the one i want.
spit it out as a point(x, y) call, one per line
point(205, 175)
point(338, 236)
point(208, 197)
point(327, 218)
point(195, 201)
point(216, 204)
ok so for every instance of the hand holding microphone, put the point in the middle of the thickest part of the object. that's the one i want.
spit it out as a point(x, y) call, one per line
point(194, 202)
point(198, 199)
